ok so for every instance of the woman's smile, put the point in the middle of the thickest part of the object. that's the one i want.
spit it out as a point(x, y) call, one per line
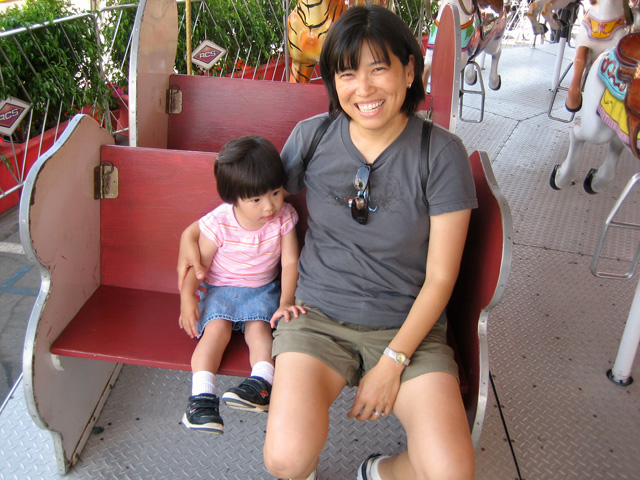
point(369, 107)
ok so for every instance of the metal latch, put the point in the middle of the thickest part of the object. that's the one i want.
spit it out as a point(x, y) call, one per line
point(174, 100)
point(105, 181)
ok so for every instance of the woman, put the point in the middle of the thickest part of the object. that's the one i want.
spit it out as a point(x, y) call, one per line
point(378, 267)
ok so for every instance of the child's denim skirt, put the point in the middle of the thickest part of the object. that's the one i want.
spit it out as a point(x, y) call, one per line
point(238, 304)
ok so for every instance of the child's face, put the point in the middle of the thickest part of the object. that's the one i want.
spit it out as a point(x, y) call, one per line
point(252, 213)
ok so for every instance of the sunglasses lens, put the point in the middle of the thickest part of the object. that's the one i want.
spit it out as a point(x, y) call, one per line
point(360, 210)
point(361, 180)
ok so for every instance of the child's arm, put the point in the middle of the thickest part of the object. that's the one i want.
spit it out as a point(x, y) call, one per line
point(189, 311)
point(288, 279)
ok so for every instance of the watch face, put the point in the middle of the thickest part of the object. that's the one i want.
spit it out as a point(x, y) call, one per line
point(401, 358)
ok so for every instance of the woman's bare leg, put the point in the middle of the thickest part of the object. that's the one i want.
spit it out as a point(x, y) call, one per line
point(439, 443)
point(303, 390)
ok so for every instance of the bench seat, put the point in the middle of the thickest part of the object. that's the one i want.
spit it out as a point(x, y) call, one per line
point(140, 327)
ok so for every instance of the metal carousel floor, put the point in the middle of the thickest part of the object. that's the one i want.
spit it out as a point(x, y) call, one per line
point(551, 340)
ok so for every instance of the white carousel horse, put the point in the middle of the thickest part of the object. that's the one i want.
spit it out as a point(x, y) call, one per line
point(308, 25)
point(482, 24)
point(547, 9)
point(610, 114)
point(603, 25)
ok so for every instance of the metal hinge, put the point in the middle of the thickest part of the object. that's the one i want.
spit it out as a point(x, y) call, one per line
point(174, 100)
point(105, 181)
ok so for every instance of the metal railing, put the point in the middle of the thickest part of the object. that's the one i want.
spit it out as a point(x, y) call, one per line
point(111, 28)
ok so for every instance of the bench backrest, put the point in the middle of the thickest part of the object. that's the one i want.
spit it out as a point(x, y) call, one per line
point(216, 110)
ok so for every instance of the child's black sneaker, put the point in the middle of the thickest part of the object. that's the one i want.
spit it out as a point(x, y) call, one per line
point(252, 394)
point(203, 413)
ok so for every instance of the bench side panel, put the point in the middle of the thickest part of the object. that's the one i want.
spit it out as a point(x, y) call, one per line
point(481, 282)
point(60, 232)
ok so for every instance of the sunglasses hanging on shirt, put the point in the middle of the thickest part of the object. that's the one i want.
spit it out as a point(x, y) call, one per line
point(360, 204)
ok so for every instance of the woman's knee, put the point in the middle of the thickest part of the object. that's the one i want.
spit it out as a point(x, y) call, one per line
point(288, 461)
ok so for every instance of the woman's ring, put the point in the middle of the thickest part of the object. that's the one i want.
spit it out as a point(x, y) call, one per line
point(378, 413)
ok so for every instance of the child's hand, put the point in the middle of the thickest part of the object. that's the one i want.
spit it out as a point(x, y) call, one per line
point(286, 310)
point(189, 315)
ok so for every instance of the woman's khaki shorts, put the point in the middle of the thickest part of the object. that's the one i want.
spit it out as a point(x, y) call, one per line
point(352, 349)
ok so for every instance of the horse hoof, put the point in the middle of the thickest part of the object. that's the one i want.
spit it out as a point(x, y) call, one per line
point(574, 110)
point(552, 180)
point(540, 29)
point(588, 181)
point(499, 84)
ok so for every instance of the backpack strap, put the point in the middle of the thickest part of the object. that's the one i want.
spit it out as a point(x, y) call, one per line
point(424, 155)
point(316, 140)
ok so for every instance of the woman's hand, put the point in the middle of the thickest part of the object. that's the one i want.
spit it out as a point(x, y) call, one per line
point(189, 254)
point(189, 314)
point(377, 391)
point(286, 311)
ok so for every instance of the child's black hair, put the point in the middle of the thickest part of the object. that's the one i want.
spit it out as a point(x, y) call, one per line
point(247, 167)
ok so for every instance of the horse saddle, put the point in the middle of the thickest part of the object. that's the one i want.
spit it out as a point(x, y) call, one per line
point(628, 53)
point(489, 22)
point(490, 12)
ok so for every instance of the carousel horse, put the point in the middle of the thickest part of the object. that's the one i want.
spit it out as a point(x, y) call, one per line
point(482, 25)
point(308, 24)
point(610, 114)
point(547, 9)
point(604, 24)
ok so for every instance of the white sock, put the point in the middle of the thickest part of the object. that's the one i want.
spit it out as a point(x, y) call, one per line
point(203, 382)
point(263, 370)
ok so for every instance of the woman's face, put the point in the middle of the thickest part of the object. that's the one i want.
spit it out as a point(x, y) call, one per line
point(373, 94)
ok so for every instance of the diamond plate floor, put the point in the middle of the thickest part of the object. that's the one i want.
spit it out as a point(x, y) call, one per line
point(551, 340)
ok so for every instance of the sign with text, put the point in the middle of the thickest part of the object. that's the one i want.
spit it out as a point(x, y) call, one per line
point(12, 112)
point(207, 54)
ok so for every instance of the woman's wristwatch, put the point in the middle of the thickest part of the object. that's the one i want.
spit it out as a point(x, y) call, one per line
point(399, 357)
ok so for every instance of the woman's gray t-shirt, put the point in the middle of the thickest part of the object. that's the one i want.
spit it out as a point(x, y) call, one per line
point(371, 274)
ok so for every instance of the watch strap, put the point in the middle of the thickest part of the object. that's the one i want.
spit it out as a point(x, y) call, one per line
point(398, 357)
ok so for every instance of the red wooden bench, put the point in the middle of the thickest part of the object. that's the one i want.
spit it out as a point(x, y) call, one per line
point(108, 266)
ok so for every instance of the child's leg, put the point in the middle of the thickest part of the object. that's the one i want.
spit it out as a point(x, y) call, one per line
point(254, 392)
point(203, 408)
point(259, 338)
point(214, 340)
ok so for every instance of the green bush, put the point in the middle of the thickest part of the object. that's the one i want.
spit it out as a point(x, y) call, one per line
point(56, 65)
point(251, 30)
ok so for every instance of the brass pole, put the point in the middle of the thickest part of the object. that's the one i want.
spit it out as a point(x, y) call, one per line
point(187, 10)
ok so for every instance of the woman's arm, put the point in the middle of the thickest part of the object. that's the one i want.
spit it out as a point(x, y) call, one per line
point(446, 245)
point(379, 388)
point(189, 254)
point(189, 298)
point(290, 254)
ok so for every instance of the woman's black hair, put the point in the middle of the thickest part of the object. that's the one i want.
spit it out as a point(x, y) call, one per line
point(385, 33)
point(247, 167)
